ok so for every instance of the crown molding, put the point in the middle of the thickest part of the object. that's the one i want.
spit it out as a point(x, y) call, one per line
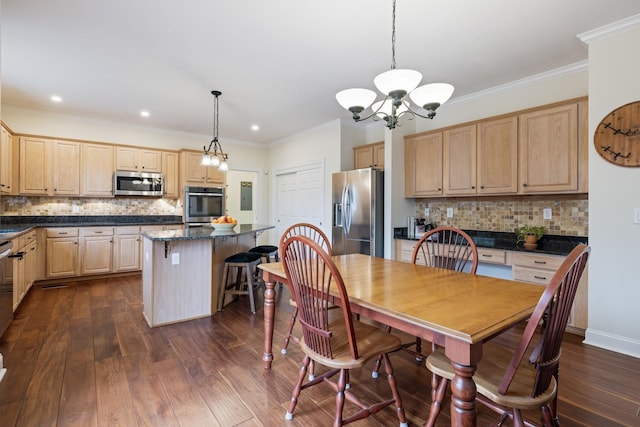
point(610, 30)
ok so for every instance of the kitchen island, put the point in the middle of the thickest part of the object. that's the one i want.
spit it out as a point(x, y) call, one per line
point(182, 269)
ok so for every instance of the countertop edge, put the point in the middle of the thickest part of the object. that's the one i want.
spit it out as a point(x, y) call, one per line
point(204, 233)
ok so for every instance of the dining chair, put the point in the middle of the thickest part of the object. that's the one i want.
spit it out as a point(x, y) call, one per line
point(442, 247)
point(333, 338)
point(318, 236)
point(504, 383)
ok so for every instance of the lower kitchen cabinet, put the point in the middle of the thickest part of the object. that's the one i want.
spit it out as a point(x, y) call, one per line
point(24, 265)
point(127, 248)
point(62, 252)
point(96, 250)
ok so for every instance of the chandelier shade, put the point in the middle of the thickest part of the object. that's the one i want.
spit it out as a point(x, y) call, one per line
point(395, 84)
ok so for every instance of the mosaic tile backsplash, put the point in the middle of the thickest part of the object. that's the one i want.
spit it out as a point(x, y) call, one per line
point(569, 217)
point(53, 206)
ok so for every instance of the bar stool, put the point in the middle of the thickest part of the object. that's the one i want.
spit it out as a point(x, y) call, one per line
point(243, 261)
point(267, 252)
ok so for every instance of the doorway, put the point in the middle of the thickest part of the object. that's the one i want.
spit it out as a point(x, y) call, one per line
point(241, 201)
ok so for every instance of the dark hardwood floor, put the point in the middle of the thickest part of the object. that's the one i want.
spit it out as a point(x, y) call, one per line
point(82, 355)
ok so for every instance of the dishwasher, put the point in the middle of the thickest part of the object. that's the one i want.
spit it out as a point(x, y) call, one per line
point(6, 285)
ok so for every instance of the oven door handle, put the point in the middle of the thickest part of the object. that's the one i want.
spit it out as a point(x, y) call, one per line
point(205, 194)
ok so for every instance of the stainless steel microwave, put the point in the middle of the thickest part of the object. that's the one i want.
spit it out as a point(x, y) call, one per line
point(127, 183)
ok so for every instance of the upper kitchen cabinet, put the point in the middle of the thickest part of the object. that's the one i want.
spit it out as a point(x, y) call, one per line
point(369, 156)
point(138, 159)
point(549, 150)
point(459, 160)
point(6, 162)
point(97, 170)
point(193, 173)
point(49, 167)
point(171, 185)
point(497, 151)
point(423, 165)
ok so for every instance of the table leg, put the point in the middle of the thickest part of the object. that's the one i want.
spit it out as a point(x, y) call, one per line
point(269, 315)
point(463, 396)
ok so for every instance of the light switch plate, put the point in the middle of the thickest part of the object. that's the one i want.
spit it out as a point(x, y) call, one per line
point(636, 215)
point(546, 213)
point(426, 211)
point(175, 258)
point(449, 212)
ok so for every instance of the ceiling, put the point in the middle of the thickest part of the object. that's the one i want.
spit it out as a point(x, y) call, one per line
point(278, 63)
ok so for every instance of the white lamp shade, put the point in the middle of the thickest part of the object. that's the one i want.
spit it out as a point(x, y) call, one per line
point(206, 160)
point(395, 79)
point(215, 161)
point(434, 92)
point(386, 108)
point(356, 97)
point(223, 166)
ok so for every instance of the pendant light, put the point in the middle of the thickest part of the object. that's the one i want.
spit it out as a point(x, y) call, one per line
point(218, 158)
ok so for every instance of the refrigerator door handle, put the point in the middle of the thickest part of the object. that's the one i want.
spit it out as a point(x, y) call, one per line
point(347, 210)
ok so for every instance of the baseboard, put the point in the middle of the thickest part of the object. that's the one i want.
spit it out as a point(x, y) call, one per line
point(612, 342)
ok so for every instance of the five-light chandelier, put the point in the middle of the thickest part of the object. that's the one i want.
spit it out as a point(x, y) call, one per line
point(218, 158)
point(395, 84)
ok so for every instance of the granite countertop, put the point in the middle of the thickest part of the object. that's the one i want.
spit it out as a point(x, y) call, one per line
point(204, 232)
point(12, 226)
point(548, 244)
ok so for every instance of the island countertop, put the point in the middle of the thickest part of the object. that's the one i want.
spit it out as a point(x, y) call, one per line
point(205, 232)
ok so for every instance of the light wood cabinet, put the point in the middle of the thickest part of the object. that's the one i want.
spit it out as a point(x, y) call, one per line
point(24, 265)
point(128, 248)
point(195, 174)
point(97, 170)
point(96, 250)
point(62, 252)
point(459, 160)
point(548, 147)
point(138, 159)
point(49, 167)
point(6, 162)
point(369, 156)
point(497, 156)
point(423, 165)
point(65, 170)
point(171, 185)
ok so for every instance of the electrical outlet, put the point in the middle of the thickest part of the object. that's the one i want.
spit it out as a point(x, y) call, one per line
point(175, 258)
point(449, 212)
point(75, 208)
point(636, 215)
point(426, 211)
point(546, 213)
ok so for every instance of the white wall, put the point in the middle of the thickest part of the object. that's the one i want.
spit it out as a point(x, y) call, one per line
point(614, 285)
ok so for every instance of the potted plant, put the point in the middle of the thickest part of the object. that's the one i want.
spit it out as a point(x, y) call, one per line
point(529, 235)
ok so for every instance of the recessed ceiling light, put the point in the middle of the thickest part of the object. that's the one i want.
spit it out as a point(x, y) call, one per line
point(255, 128)
point(144, 113)
point(56, 98)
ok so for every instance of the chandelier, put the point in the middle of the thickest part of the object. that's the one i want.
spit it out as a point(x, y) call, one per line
point(395, 84)
point(217, 158)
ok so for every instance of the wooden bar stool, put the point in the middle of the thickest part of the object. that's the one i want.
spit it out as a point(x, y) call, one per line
point(243, 261)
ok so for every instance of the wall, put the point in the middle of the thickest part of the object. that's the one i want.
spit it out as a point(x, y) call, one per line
point(60, 206)
point(614, 290)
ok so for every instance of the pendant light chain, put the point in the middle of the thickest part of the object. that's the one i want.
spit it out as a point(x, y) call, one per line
point(393, 37)
point(216, 120)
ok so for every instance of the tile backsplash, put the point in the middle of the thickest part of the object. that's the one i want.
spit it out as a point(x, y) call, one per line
point(569, 217)
point(53, 206)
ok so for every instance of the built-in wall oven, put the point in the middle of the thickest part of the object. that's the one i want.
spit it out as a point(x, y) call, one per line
point(202, 204)
point(6, 285)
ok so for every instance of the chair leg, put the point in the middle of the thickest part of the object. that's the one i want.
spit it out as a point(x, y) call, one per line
point(376, 369)
point(438, 391)
point(297, 388)
point(393, 385)
point(249, 274)
point(223, 287)
point(289, 335)
point(343, 380)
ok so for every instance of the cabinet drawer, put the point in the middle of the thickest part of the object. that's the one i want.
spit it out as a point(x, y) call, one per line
point(128, 229)
point(62, 232)
point(540, 277)
point(96, 231)
point(492, 256)
point(536, 261)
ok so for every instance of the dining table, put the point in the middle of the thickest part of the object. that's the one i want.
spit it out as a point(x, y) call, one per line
point(456, 310)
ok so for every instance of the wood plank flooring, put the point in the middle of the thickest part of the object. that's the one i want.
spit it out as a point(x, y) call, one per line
point(82, 355)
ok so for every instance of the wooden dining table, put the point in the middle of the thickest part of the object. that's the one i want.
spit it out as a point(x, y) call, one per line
point(458, 311)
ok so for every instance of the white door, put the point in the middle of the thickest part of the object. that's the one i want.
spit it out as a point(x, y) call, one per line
point(242, 210)
point(300, 197)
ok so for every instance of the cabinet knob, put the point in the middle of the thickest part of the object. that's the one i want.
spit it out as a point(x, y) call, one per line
point(524, 184)
point(482, 187)
point(473, 187)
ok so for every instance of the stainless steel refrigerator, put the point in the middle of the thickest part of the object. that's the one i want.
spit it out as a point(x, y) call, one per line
point(358, 212)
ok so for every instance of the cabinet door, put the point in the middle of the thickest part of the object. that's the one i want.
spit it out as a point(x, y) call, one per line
point(548, 152)
point(193, 170)
point(497, 156)
point(171, 183)
point(127, 252)
point(378, 156)
point(216, 176)
point(6, 166)
point(62, 257)
point(460, 160)
point(150, 161)
point(97, 170)
point(423, 165)
point(97, 255)
point(363, 157)
point(65, 168)
point(127, 159)
point(34, 166)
